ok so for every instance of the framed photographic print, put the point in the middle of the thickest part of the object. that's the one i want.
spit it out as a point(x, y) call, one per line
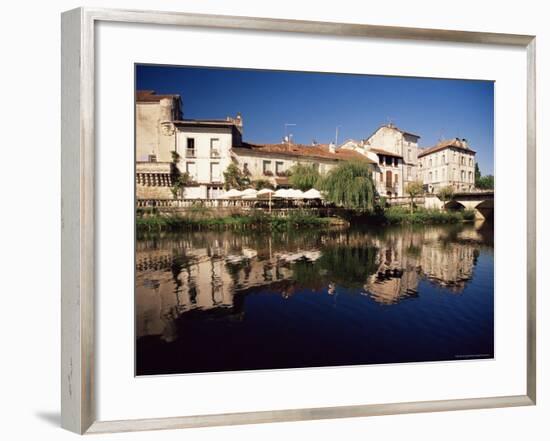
point(285, 237)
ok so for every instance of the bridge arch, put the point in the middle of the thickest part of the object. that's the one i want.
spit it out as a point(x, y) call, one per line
point(453, 205)
point(486, 209)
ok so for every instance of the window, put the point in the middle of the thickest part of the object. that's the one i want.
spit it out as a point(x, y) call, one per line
point(152, 158)
point(380, 159)
point(443, 159)
point(431, 177)
point(279, 165)
point(191, 169)
point(215, 175)
point(246, 171)
point(395, 162)
point(381, 177)
point(409, 172)
point(471, 162)
point(409, 155)
point(214, 148)
point(267, 168)
point(469, 176)
point(430, 162)
point(190, 151)
point(463, 160)
point(462, 175)
point(388, 160)
point(396, 179)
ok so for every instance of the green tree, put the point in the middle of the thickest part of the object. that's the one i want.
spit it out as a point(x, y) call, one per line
point(304, 177)
point(414, 189)
point(235, 178)
point(477, 174)
point(178, 179)
point(446, 193)
point(486, 182)
point(350, 185)
point(259, 184)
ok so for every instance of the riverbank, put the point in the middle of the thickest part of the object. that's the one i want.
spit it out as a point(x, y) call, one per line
point(401, 215)
point(260, 220)
point(256, 220)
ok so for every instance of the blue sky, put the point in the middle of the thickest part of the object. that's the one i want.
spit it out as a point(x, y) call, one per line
point(319, 102)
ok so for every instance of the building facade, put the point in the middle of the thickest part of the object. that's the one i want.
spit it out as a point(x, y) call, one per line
point(451, 163)
point(206, 147)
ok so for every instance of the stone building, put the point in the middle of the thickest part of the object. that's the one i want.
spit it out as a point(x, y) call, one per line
point(206, 147)
point(449, 163)
point(272, 162)
point(395, 153)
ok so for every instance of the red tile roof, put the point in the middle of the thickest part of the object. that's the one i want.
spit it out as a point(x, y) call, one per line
point(150, 96)
point(385, 152)
point(448, 143)
point(320, 151)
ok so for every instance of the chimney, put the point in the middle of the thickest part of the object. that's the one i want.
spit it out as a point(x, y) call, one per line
point(332, 148)
point(166, 107)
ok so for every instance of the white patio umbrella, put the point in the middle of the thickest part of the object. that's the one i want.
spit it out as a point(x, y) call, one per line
point(282, 193)
point(296, 194)
point(266, 192)
point(313, 194)
point(233, 193)
point(249, 192)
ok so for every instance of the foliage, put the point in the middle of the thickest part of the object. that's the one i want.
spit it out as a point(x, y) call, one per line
point(446, 193)
point(477, 174)
point(350, 185)
point(304, 177)
point(235, 178)
point(262, 183)
point(414, 189)
point(179, 180)
point(257, 219)
point(398, 215)
point(486, 182)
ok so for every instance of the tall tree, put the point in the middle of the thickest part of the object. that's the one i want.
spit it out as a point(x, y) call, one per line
point(477, 174)
point(350, 185)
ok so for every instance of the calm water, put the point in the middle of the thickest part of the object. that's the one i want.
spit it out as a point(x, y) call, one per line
point(220, 301)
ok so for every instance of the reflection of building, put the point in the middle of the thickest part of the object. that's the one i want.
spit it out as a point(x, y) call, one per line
point(406, 259)
point(211, 272)
point(207, 146)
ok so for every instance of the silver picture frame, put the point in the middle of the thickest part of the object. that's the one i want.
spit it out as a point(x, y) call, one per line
point(78, 395)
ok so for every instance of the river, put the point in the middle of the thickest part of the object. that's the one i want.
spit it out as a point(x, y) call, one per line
point(222, 300)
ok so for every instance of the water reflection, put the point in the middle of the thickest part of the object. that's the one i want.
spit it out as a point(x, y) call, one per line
point(187, 280)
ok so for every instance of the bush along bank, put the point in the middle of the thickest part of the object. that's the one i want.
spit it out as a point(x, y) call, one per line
point(256, 220)
point(401, 215)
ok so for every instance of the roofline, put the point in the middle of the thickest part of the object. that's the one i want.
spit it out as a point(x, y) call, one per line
point(429, 151)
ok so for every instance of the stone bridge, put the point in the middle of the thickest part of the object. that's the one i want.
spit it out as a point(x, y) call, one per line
point(481, 201)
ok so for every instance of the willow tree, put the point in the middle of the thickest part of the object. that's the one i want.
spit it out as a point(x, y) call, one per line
point(350, 185)
point(304, 176)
